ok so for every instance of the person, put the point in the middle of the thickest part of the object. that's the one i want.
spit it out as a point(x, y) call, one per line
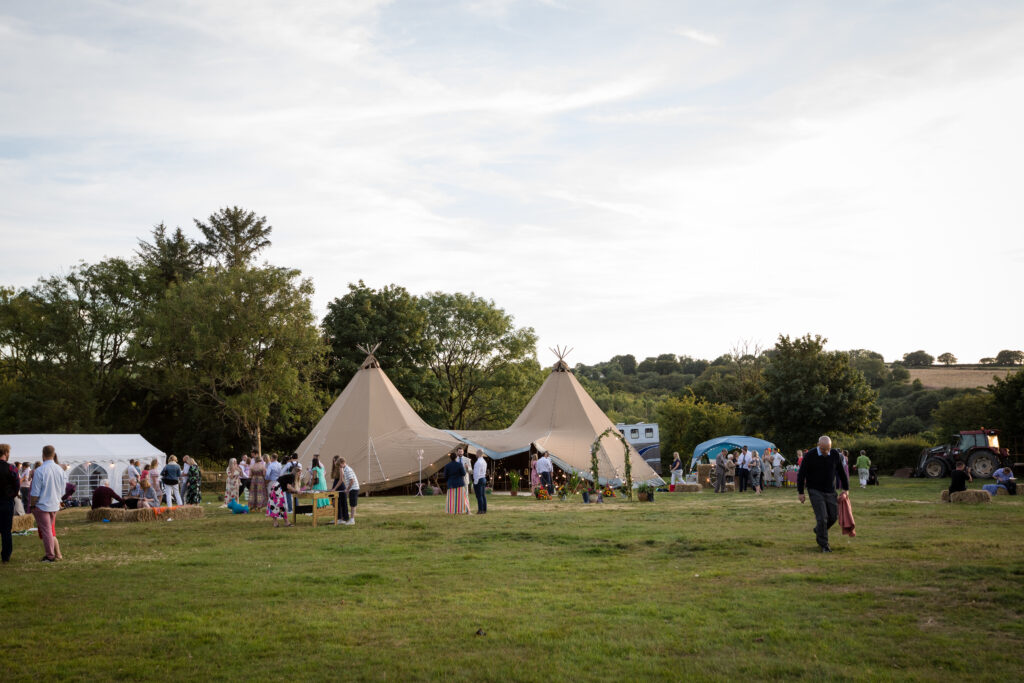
point(245, 480)
point(10, 489)
point(863, 468)
point(677, 471)
point(351, 488)
point(958, 480)
point(766, 468)
point(48, 482)
point(467, 464)
point(318, 481)
point(730, 469)
point(150, 499)
point(846, 466)
point(341, 510)
point(276, 489)
point(754, 472)
point(193, 495)
point(534, 477)
point(103, 496)
point(545, 470)
point(455, 474)
point(819, 471)
point(154, 478)
point(480, 483)
point(1004, 475)
point(721, 464)
point(777, 467)
point(170, 475)
point(233, 481)
point(26, 485)
point(258, 484)
point(131, 500)
point(291, 467)
point(186, 466)
point(133, 470)
point(742, 475)
point(335, 472)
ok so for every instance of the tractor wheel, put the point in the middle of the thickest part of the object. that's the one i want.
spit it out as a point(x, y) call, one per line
point(934, 468)
point(982, 464)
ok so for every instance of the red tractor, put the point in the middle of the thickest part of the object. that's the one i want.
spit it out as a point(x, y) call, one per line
point(977, 448)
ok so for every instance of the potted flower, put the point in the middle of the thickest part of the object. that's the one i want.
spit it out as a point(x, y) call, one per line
point(513, 481)
point(645, 493)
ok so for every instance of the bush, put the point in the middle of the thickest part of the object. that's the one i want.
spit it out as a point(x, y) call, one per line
point(886, 453)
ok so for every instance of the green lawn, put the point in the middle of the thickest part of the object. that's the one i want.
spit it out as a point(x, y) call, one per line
point(693, 586)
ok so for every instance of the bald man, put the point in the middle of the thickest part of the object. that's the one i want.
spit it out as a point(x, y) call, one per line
point(819, 471)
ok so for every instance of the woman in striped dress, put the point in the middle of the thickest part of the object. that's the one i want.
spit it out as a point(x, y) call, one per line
point(258, 484)
point(458, 501)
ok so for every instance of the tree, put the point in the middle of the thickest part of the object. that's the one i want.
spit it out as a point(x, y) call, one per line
point(242, 342)
point(1007, 357)
point(1008, 402)
point(987, 361)
point(872, 365)
point(394, 318)
point(169, 259)
point(473, 348)
point(807, 392)
point(967, 411)
point(908, 424)
point(918, 359)
point(687, 421)
point(234, 236)
point(947, 359)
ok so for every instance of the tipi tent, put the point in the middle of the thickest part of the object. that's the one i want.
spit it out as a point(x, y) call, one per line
point(377, 432)
point(90, 458)
point(563, 420)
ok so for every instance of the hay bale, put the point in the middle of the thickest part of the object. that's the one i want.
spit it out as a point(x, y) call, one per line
point(945, 496)
point(730, 486)
point(187, 512)
point(971, 496)
point(1002, 491)
point(704, 474)
point(23, 523)
point(110, 514)
point(688, 488)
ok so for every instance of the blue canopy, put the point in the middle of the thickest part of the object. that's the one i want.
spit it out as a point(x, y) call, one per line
point(728, 443)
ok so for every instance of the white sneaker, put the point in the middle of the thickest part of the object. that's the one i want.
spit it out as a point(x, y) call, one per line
point(350, 522)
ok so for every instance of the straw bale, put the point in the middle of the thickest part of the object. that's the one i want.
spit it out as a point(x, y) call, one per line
point(23, 523)
point(110, 514)
point(145, 514)
point(971, 496)
point(704, 474)
point(688, 488)
point(945, 496)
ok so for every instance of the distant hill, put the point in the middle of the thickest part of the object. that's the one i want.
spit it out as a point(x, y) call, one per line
point(959, 376)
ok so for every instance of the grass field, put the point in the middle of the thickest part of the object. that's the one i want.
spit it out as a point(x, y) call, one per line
point(692, 586)
point(955, 377)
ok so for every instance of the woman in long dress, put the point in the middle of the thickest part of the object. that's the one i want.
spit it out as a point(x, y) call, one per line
point(193, 496)
point(258, 484)
point(234, 481)
point(154, 478)
point(318, 481)
point(276, 509)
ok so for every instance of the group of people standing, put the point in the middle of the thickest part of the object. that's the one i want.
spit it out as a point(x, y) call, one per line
point(275, 485)
point(460, 473)
point(747, 469)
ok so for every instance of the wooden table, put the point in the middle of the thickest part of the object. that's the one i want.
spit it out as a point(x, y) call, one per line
point(327, 511)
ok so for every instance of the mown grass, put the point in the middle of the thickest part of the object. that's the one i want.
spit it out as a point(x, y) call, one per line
point(693, 586)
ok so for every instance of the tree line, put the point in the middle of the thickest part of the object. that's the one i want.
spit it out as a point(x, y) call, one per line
point(202, 350)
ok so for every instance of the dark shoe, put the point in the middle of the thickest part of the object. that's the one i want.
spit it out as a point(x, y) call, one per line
point(47, 559)
point(826, 549)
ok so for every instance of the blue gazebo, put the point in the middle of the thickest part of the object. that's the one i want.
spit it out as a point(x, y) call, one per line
point(729, 443)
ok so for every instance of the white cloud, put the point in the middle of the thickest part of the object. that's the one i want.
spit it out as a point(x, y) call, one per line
point(698, 36)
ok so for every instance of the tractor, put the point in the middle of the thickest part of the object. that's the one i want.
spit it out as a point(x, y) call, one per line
point(977, 448)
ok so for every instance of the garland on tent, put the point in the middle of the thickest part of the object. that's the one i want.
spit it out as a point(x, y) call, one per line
point(594, 447)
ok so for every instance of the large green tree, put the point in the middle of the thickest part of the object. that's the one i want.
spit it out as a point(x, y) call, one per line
point(1010, 357)
point(687, 421)
point(486, 369)
point(807, 391)
point(242, 341)
point(918, 359)
point(967, 411)
point(1008, 402)
point(233, 236)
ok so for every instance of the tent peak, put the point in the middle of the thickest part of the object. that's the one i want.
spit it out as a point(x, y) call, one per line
point(561, 352)
point(371, 360)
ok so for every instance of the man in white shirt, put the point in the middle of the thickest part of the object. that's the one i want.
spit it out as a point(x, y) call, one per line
point(480, 483)
point(48, 482)
point(742, 470)
point(544, 471)
point(352, 488)
point(468, 465)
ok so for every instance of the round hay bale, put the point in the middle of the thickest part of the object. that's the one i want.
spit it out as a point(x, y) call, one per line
point(971, 496)
point(945, 496)
point(689, 488)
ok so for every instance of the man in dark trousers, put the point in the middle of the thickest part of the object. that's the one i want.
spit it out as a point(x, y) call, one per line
point(819, 470)
point(10, 488)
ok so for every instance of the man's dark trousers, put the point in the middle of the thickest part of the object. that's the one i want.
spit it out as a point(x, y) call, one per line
point(481, 495)
point(826, 512)
point(6, 520)
point(545, 480)
point(742, 475)
point(341, 510)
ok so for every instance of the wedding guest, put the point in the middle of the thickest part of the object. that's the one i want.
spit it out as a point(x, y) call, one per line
point(10, 488)
point(318, 481)
point(103, 496)
point(48, 482)
point(721, 468)
point(170, 476)
point(335, 471)
point(467, 464)
point(25, 477)
point(480, 483)
point(131, 500)
point(455, 473)
point(545, 469)
point(193, 495)
point(258, 484)
point(246, 480)
point(150, 499)
point(233, 481)
point(677, 470)
point(351, 488)
point(276, 489)
point(754, 471)
point(154, 478)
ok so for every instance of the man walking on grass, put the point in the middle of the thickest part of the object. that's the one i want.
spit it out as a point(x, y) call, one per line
point(819, 471)
point(48, 483)
point(863, 468)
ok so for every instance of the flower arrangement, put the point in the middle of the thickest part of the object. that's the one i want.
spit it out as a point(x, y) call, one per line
point(541, 493)
point(608, 492)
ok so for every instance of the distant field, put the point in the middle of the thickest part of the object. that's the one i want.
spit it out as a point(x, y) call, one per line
point(957, 377)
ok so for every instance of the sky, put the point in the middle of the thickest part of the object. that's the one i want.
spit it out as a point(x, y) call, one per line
point(641, 177)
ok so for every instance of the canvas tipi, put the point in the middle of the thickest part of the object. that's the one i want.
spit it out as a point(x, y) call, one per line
point(564, 420)
point(378, 433)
